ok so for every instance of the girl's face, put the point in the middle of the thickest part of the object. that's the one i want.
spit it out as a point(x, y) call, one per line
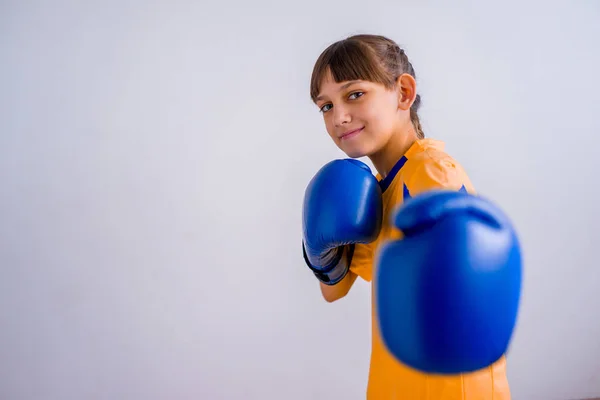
point(360, 116)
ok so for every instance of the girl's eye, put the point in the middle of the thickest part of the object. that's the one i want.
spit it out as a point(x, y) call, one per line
point(351, 96)
point(326, 108)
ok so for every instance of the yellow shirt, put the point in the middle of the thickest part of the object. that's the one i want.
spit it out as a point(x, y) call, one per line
point(425, 166)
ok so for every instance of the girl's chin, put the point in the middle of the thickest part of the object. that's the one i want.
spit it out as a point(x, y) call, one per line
point(354, 151)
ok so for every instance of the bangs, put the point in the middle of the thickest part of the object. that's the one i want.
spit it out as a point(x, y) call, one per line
point(348, 60)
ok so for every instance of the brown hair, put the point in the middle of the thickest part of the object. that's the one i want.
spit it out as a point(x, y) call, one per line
point(372, 58)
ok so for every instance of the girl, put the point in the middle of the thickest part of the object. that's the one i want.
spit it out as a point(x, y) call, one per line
point(366, 90)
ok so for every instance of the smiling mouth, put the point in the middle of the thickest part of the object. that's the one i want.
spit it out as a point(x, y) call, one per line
point(350, 134)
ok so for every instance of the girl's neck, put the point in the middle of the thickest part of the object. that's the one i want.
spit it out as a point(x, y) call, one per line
point(385, 159)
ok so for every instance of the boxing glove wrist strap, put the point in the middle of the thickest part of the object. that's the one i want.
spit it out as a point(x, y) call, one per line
point(336, 264)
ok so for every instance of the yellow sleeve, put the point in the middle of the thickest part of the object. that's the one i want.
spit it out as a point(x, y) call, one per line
point(362, 261)
point(434, 174)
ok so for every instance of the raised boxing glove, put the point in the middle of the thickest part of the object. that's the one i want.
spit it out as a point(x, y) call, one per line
point(342, 206)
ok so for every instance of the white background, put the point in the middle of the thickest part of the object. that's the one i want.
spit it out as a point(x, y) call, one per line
point(153, 160)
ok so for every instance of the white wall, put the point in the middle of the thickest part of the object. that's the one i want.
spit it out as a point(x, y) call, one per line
point(153, 159)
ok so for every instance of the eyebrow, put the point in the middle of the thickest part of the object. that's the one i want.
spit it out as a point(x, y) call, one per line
point(344, 86)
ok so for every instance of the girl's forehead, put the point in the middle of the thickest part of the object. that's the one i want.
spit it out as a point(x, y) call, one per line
point(329, 84)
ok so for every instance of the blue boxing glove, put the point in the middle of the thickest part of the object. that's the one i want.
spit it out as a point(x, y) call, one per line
point(342, 206)
point(447, 294)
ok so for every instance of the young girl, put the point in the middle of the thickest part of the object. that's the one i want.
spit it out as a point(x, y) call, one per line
point(365, 88)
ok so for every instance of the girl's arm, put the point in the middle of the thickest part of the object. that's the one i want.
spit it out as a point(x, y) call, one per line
point(335, 292)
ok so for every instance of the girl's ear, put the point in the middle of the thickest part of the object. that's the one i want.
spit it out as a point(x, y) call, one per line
point(406, 86)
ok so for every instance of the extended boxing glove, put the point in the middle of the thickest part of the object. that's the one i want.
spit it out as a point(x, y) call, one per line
point(447, 294)
point(342, 207)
